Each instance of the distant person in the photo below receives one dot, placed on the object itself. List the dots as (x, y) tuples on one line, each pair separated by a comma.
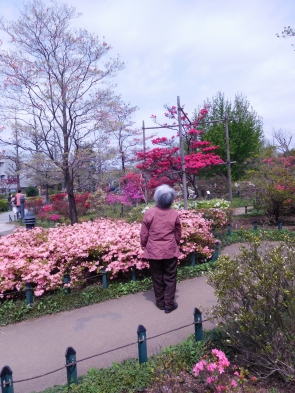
[(160, 235), (18, 196), (9, 202), (13, 204)]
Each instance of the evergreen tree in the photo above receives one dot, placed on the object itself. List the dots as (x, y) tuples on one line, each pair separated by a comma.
[(245, 133)]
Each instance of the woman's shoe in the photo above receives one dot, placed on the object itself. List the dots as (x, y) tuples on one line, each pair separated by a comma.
[(169, 310)]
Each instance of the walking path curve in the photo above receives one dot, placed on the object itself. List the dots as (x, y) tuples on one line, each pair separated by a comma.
[(6, 226), (38, 346)]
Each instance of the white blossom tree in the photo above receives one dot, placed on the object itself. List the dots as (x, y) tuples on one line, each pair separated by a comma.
[(54, 82)]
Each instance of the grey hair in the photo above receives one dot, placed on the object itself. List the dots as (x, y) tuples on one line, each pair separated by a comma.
[(164, 196)]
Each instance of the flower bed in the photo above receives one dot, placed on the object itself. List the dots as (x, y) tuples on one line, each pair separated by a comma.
[(42, 256)]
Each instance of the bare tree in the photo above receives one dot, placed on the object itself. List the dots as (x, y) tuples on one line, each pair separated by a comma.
[(121, 128), (91, 162), (284, 140), (53, 81)]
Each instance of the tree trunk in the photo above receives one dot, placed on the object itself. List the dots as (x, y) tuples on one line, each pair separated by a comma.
[(71, 198), (72, 207), (69, 181)]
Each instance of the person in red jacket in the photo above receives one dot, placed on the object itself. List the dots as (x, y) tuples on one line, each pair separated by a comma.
[(160, 236)]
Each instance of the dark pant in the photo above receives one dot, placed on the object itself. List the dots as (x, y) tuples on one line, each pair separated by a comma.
[(164, 273)]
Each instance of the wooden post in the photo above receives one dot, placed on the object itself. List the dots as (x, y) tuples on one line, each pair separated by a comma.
[(230, 193), (104, 278), (228, 230), (280, 226), (193, 259), (142, 348), (29, 293), (246, 209), (255, 225), (6, 380), (198, 325), (71, 366), (182, 154), (216, 252), (134, 273), (67, 280), (145, 178)]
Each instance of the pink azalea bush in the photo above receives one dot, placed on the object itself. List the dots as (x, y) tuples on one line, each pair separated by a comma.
[(115, 199), (213, 373), (42, 256), (218, 217)]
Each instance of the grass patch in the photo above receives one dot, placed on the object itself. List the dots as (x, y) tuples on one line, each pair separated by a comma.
[(252, 213), (240, 235), (240, 202)]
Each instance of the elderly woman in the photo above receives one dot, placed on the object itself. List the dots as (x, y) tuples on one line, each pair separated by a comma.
[(160, 235)]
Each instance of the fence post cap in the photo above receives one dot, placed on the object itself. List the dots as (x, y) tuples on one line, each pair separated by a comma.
[(29, 214), (70, 351), (5, 370), (141, 329), (197, 311)]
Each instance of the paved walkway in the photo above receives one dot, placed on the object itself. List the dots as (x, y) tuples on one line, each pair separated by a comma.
[(6, 226), (38, 346), (241, 210)]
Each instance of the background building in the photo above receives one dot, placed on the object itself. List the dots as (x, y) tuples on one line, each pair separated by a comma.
[(10, 180)]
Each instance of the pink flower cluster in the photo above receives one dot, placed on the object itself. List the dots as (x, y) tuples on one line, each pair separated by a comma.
[(213, 372), (218, 217), (43, 256), (196, 234), (219, 364)]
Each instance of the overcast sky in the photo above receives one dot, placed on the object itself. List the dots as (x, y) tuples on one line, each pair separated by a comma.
[(195, 48)]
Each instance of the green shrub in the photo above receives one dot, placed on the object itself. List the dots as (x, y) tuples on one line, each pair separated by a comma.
[(136, 213), (3, 204), (207, 207), (32, 191), (256, 304), (241, 202)]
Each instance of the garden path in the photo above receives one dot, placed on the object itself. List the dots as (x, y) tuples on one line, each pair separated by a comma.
[(36, 347), (6, 227)]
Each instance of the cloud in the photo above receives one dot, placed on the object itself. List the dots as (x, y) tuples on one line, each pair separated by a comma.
[(194, 49)]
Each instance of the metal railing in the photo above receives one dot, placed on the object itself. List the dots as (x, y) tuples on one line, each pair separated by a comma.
[(71, 361)]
